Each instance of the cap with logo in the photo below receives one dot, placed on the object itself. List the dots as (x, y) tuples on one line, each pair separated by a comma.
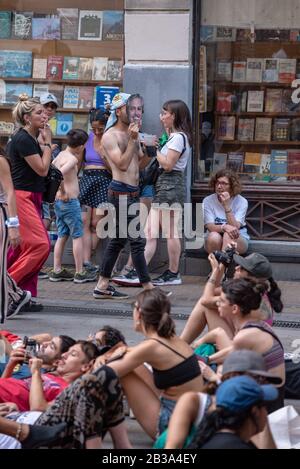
[(48, 98), (256, 264)]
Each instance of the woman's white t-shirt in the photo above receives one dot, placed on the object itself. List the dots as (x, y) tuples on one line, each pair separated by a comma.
[(214, 212), (177, 143)]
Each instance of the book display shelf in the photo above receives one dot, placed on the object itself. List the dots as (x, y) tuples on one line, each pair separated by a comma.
[(248, 94), (62, 49)]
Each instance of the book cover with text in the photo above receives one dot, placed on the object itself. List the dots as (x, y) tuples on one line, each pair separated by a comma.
[(90, 25), (113, 26)]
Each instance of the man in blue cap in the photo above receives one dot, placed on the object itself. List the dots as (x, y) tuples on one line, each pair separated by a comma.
[(122, 149)]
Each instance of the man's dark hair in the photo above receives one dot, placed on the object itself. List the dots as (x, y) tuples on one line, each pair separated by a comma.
[(89, 349), (66, 343), (76, 137), (112, 336)]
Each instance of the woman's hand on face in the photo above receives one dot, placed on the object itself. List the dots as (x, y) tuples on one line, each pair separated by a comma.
[(224, 198), (14, 237), (232, 231)]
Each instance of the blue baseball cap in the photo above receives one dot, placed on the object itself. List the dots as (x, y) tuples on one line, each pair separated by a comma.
[(241, 392)]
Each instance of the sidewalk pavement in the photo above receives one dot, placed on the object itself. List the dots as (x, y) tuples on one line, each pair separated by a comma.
[(183, 299)]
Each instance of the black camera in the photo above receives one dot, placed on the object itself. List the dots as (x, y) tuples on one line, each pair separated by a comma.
[(225, 257), (32, 348)]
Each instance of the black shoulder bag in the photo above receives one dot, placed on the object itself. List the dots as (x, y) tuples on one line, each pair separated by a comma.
[(52, 183)]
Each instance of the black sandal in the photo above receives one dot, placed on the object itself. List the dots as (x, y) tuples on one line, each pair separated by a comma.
[(42, 435)]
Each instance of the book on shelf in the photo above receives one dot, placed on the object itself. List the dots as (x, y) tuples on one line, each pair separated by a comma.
[(254, 70), (64, 123), (6, 128), (104, 95), (295, 129), (243, 35), (70, 69), (235, 161), (58, 91), (39, 89), (294, 35), (39, 68), (266, 35), (239, 72), (85, 68), (255, 101), (246, 130), (47, 28), (219, 162), (53, 125), (114, 70), (90, 25), (113, 25), (298, 68), (270, 70), (239, 101), (13, 90), (86, 94), (15, 63), (278, 166), (251, 166), (287, 70), (21, 25), (224, 70), (80, 121), (281, 129), (2, 91), (263, 129), (5, 24), (264, 169), (207, 33), (224, 101), (293, 165), (55, 67), (225, 34), (226, 128), (71, 97), (100, 65), (68, 23), (273, 100)]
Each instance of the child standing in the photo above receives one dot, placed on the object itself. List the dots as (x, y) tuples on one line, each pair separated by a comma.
[(67, 211)]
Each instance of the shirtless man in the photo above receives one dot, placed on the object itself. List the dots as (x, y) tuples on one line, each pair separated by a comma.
[(67, 211), (122, 149)]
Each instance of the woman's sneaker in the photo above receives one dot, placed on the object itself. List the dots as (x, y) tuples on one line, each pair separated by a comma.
[(85, 276), (15, 306), (129, 278), (109, 294), (62, 276), (91, 267), (168, 278)]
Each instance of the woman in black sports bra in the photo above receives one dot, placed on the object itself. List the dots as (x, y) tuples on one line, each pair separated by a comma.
[(175, 370)]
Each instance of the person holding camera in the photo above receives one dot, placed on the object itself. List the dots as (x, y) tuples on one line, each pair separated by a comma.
[(205, 313), (224, 213)]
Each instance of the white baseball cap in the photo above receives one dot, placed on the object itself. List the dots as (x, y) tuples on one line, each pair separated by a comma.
[(48, 98)]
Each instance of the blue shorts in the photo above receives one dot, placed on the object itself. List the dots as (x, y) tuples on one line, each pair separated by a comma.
[(46, 211), (147, 192), (68, 218), (166, 409)]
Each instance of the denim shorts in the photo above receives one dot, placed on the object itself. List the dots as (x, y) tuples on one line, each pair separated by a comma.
[(147, 192), (68, 218), (166, 408), (46, 211)]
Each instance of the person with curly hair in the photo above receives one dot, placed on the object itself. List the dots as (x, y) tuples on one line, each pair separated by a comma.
[(224, 214)]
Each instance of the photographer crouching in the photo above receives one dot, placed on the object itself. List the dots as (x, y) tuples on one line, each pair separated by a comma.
[(205, 313)]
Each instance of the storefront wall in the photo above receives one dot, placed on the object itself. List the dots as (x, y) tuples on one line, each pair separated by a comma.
[(274, 208)]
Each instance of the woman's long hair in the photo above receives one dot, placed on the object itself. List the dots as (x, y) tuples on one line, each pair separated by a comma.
[(245, 293), (274, 296), (183, 120)]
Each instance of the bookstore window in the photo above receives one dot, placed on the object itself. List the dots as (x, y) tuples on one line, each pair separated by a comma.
[(73, 53), (249, 102)]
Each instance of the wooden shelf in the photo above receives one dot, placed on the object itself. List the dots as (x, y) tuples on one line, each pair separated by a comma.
[(246, 83), (73, 82), (260, 114), (273, 143)]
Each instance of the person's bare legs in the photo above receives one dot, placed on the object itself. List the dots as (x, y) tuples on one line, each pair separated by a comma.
[(195, 324), (173, 239), (152, 233), (213, 242), (78, 254), (241, 243), (87, 235), (96, 215), (138, 392), (58, 253), (119, 436)]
